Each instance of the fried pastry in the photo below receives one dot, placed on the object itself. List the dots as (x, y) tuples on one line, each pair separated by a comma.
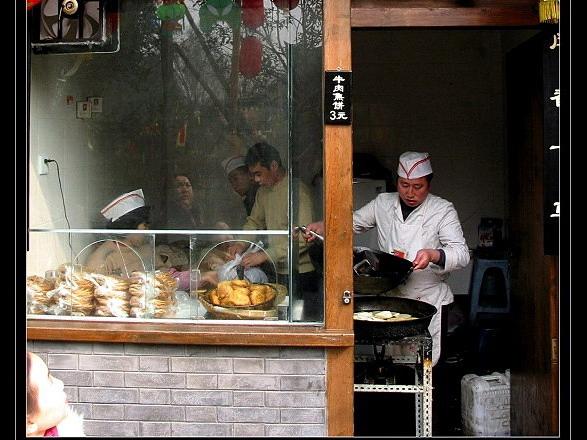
[(214, 298), (257, 297), (240, 283), (240, 293), (239, 297)]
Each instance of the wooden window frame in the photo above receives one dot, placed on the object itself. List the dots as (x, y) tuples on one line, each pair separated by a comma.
[(337, 329), (337, 333)]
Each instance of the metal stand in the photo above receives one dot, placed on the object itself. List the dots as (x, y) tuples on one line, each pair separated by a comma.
[(420, 358)]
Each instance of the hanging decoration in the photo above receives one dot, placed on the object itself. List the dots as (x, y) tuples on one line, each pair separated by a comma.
[(30, 4), (181, 135), (132, 148), (112, 21), (250, 57), (286, 5), (213, 11), (170, 12), (253, 13), (549, 11)]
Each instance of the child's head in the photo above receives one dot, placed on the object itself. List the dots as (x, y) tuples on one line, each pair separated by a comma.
[(46, 400)]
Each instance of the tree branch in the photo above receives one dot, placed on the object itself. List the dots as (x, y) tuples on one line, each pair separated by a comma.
[(206, 87), (209, 56)]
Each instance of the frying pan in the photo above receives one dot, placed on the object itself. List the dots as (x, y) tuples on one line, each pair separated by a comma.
[(375, 271), (372, 332)]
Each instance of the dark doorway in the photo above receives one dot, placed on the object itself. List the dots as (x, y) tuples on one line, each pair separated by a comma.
[(446, 91)]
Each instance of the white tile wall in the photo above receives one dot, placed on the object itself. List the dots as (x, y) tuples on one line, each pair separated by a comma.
[(56, 133)]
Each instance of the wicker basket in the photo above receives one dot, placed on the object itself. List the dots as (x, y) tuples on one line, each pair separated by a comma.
[(259, 311)]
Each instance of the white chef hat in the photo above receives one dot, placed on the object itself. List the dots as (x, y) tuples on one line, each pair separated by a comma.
[(232, 163), (413, 165), (123, 204)]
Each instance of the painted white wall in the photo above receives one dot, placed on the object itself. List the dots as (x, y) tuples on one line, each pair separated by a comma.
[(93, 163), (56, 133)]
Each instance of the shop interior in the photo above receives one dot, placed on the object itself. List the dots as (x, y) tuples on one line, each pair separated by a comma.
[(437, 90), (442, 91)]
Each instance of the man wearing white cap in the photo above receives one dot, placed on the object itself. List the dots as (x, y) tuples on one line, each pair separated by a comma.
[(413, 223), (241, 180), (124, 254), (125, 207)]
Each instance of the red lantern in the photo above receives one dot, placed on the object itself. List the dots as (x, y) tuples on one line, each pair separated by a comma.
[(250, 57), (286, 5), (253, 13), (251, 4), (30, 4)]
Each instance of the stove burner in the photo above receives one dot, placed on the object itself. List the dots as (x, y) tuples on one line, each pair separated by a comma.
[(381, 370)]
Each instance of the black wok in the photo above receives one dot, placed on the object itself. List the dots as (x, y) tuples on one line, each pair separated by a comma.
[(370, 332), (376, 272), (372, 285)]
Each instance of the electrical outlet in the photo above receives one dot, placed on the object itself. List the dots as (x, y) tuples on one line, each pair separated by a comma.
[(42, 167)]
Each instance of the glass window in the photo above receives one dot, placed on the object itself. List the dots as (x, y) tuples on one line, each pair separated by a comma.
[(172, 159)]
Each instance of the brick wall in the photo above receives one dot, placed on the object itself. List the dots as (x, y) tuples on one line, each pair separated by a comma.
[(167, 390)]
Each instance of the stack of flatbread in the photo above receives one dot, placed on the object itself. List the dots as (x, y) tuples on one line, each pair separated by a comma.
[(76, 295), (39, 298), (382, 315), (111, 295), (152, 296)]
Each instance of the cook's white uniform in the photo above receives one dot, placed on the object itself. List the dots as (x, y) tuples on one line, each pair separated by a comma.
[(434, 224)]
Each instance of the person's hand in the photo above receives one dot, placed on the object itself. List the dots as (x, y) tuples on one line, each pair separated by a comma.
[(208, 279), (255, 259), (317, 227), (236, 248), (182, 279), (425, 257)]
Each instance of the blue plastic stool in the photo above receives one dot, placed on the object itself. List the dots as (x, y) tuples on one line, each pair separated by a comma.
[(490, 287)]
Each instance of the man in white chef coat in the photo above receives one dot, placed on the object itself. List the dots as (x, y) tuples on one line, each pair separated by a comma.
[(414, 224)]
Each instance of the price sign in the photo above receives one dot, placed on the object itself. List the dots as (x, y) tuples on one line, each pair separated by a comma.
[(337, 98)]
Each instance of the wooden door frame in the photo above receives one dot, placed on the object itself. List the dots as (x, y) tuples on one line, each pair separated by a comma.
[(338, 208), (534, 279), (339, 17), (443, 13)]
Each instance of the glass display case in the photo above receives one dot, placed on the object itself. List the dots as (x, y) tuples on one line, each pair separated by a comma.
[(213, 119), (157, 275)]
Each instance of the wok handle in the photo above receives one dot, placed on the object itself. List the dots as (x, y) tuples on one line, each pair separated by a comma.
[(359, 264), (307, 231)]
